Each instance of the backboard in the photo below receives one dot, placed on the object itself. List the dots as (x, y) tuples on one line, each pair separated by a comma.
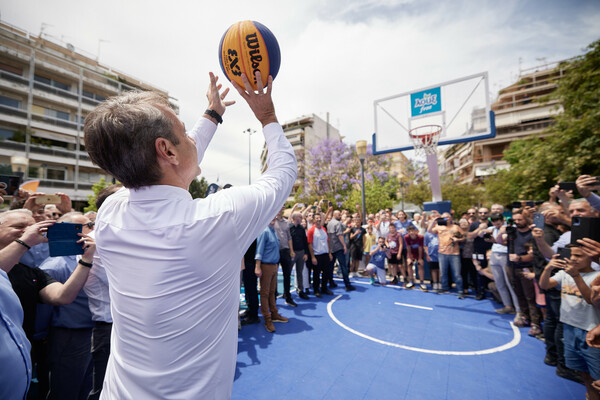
[(461, 107)]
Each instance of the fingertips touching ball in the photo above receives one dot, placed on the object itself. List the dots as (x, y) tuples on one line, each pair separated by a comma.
[(247, 47)]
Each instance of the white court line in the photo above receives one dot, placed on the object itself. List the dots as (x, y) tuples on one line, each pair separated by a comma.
[(515, 340), (411, 305)]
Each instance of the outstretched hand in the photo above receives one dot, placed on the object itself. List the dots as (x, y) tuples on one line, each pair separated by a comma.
[(216, 99), (260, 102)]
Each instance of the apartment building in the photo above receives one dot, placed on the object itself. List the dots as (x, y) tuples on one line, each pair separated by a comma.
[(521, 109), (46, 89), (303, 133)]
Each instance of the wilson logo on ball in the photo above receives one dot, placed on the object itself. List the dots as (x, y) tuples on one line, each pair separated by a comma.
[(247, 47)]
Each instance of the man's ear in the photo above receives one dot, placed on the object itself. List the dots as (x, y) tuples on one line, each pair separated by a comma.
[(166, 151)]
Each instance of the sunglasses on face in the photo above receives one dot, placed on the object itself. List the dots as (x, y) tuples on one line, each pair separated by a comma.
[(90, 225)]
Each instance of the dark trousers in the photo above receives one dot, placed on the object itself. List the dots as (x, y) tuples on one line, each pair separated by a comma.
[(553, 328), (469, 274), (286, 267), (70, 362), (250, 288), (322, 267), (525, 292), (341, 259), (100, 353)]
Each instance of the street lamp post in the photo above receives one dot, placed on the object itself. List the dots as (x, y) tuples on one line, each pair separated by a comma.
[(361, 150), (249, 132)]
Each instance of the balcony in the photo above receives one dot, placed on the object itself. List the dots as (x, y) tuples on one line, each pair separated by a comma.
[(488, 158)]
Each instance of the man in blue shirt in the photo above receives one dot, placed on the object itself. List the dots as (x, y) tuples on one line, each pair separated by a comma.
[(15, 359), (267, 258), (69, 355)]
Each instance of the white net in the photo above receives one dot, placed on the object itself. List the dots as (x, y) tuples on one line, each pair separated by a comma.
[(425, 139)]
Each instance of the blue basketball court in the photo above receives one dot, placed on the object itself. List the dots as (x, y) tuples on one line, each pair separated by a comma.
[(391, 343)]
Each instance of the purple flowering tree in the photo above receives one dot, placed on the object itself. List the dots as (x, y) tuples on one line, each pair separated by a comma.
[(332, 171)]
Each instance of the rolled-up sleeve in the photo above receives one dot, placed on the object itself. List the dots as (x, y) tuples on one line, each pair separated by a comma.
[(256, 205)]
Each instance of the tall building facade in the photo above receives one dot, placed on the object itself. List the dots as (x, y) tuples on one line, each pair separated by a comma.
[(46, 90), (304, 133), (522, 109)]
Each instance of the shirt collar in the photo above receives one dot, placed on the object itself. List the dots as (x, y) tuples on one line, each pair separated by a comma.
[(158, 192)]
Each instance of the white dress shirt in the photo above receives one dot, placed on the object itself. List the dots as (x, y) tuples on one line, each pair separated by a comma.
[(173, 270)]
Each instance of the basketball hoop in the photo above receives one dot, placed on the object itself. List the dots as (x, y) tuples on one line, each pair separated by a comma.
[(425, 139)]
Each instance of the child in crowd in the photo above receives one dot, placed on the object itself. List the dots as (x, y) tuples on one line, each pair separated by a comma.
[(414, 243), (431, 245), (379, 252), (370, 241)]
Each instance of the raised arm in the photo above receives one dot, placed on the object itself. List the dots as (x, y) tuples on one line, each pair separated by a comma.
[(255, 205), (32, 235), (59, 294)]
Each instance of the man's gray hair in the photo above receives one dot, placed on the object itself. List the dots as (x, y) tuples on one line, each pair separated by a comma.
[(68, 217), (12, 212), (120, 136), (500, 206)]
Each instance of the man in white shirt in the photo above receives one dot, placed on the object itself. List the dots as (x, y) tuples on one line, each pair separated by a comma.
[(173, 262)]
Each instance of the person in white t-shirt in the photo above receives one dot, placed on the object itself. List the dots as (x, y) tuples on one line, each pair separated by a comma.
[(173, 262), (577, 313)]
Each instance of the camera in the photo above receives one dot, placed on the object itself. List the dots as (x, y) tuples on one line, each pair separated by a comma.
[(487, 235), (511, 231), (442, 221)]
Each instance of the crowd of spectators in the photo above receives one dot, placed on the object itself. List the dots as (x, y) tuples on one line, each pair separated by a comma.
[(63, 308), (494, 253)]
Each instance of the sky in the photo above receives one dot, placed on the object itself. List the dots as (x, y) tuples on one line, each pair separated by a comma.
[(337, 56)]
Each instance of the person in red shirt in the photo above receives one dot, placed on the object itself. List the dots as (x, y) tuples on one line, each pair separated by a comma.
[(414, 245)]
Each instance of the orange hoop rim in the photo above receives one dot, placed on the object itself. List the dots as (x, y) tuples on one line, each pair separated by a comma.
[(425, 142)]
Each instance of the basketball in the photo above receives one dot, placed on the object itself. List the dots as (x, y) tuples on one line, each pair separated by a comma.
[(247, 47)]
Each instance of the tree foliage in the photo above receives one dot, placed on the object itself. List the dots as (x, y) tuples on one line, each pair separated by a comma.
[(96, 188), (571, 147), (332, 171), (198, 188)]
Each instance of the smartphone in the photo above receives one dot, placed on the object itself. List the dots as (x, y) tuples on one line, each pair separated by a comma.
[(585, 227), (517, 204), (566, 186), (300, 205), (11, 184), (538, 220), (62, 239), (442, 221), (48, 199), (530, 203), (564, 253), (330, 204), (594, 183)]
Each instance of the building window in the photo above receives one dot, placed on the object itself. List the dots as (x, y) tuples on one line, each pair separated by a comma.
[(56, 173), (52, 82), (57, 114), (12, 135), (7, 101), (93, 96)]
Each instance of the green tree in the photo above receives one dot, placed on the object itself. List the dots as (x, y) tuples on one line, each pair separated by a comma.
[(96, 188), (198, 188), (571, 146)]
